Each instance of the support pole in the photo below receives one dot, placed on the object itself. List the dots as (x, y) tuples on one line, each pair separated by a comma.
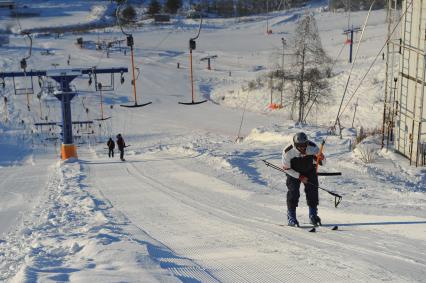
[(192, 76), (351, 32), (130, 38), (353, 119), (272, 89), (6, 118), (267, 16), (68, 149), (102, 106), (351, 46), (419, 141), (282, 73)]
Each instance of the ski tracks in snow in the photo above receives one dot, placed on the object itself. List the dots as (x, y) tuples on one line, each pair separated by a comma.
[(168, 218), (226, 236), (72, 235)]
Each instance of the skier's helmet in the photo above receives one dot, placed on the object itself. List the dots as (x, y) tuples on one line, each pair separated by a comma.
[(300, 140)]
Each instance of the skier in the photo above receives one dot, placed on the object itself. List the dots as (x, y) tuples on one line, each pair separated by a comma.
[(121, 145), (298, 161), (111, 146)]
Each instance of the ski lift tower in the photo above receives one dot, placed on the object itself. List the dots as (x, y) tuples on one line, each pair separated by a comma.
[(351, 31), (65, 95), (404, 115), (208, 59)]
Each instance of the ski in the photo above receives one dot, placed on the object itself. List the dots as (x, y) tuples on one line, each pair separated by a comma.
[(311, 228)]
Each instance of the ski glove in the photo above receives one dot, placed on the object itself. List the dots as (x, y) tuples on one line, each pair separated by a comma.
[(303, 179)]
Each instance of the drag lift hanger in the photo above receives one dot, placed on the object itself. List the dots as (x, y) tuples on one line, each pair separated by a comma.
[(130, 43), (27, 91), (192, 46), (99, 87)]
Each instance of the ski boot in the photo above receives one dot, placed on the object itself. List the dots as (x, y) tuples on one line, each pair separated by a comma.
[(313, 216), (291, 217)]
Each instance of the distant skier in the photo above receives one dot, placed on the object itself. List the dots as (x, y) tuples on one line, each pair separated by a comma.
[(111, 146), (121, 145), (298, 160)]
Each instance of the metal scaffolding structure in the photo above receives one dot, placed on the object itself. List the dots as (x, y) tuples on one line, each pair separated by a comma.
[(404, 116)]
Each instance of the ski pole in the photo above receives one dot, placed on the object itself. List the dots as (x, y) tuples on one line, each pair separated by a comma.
[(337, 198), (319, 173)]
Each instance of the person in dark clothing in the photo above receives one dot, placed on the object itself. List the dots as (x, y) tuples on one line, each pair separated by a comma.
[(111, 146), (298, 161), (121, 145)]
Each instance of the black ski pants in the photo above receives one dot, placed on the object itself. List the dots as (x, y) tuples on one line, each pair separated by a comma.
[(111, 152), (121, 153), (311, 191)]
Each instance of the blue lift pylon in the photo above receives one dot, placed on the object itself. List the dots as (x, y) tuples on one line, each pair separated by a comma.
[(64, 77)]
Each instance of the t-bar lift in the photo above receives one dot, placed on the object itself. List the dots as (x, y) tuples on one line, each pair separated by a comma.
[(65, 95)]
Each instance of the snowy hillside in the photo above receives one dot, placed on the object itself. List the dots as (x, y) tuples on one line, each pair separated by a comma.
[(193, 202)]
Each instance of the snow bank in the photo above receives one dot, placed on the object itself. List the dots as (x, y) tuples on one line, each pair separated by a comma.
[(265, 136), (72, 232)]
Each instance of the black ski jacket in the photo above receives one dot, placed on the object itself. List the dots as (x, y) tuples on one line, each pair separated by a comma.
[(297, 164), (111, 144), (120, 143)]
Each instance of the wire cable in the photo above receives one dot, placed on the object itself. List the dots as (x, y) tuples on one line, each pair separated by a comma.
[(353, 63), (375, 59)]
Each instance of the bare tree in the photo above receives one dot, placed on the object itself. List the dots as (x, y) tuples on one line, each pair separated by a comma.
[(312, 64)]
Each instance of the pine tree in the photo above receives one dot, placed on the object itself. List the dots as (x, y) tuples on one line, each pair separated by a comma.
[(154, 7), (173, 5), (128, 13)]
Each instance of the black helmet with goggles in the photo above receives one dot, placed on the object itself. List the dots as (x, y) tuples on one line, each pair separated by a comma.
[(300, 140)]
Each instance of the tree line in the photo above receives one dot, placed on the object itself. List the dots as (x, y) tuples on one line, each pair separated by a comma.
[(239, 8), (170, 6), (357, 5), (224, 8)]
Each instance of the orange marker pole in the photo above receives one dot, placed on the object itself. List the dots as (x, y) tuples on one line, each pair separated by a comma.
[(133, 74), (192, 77)]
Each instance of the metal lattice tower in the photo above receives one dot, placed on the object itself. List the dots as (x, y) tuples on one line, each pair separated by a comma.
[(404, 116)]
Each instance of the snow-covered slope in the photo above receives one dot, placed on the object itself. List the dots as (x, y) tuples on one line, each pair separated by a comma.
[(190, 204)]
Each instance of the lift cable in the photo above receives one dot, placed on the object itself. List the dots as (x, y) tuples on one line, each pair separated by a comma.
[(375, 59), (353, 64)]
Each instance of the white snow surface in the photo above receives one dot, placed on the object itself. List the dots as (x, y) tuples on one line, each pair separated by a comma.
[(193, 202)]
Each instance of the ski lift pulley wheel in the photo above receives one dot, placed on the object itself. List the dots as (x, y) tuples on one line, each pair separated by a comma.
[(192, 44), (130, 41), (23, 64)]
